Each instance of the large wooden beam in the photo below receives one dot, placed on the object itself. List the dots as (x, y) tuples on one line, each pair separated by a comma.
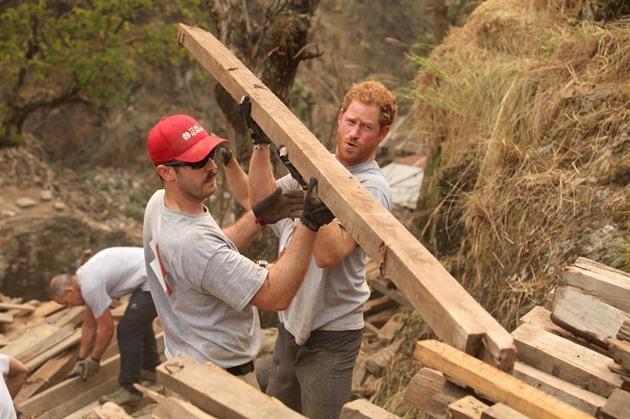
[(219, 393), (443, 303), (493, 383)]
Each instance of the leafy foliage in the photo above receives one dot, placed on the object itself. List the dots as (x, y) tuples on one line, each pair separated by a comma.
[(57, 52)]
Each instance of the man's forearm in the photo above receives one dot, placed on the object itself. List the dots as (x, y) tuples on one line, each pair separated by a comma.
[(103, 339), (332, 245), (243, 231), (261, 179), (88, 334), (104, 333), (238, 182)]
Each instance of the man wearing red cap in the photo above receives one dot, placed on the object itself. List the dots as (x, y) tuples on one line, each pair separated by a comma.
[(205, 291)]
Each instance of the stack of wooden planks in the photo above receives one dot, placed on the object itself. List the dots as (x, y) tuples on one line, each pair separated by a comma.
[(572, 358), (45, 336)]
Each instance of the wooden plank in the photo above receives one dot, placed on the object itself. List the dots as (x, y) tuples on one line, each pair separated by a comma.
[(108, 411), (48, 400), (468, 407), (33, 318), (566, 360), (585, 315), (48, 308), (380, 359), (81, 399), (56, 349), (218, 392), (501, 411), (70, 315), (569, 393), (375, 305), (607, 284), (46, 343), (29, 338), (624, 331), (620, 351), (173, 407), (6, 318), (13, 306), (392, 327), (363, 409), (493, 383), (444, 304), (381, 285), (617, 406), (53, 371), (431, 393), (541, 317)]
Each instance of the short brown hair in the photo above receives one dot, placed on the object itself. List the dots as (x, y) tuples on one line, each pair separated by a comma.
[(373, 93)]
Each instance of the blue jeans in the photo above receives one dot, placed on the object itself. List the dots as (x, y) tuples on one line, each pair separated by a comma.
[(136, 339), (314, 379)]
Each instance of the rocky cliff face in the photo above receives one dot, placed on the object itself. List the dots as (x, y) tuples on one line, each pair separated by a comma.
[(47, 218)]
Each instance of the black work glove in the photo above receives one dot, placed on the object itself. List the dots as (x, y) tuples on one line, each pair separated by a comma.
[(256, 133), (316, 213), (278, 205), (226, 155)]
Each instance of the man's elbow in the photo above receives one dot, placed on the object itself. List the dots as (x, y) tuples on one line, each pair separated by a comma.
[(326, 261), (280, 305), (271, 303)]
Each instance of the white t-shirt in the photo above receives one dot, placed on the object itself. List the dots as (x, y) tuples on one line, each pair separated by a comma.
[(7, 411), (111, 273), (333, 298), (201, 286)]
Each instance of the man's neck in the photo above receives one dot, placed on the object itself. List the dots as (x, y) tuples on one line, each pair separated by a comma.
[(176, 202)]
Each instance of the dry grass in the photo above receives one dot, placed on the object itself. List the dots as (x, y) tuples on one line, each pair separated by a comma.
[(527, 119)]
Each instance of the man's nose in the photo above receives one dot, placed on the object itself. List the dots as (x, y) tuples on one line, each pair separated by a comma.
[(210, 165), (355, 131)]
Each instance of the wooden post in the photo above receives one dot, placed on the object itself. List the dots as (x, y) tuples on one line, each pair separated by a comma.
[(443, 303), (492, 383)]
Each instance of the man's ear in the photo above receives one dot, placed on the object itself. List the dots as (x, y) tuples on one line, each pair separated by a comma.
[(383, 133), (165, 172)]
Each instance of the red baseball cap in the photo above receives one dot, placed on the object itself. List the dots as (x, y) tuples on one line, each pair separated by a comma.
[(180, 137)]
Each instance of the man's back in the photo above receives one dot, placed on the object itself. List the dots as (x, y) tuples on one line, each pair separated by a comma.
[(111, 273)]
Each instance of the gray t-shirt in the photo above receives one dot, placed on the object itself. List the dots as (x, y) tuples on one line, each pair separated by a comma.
[(333, 298), (111, 273), (201, 286)]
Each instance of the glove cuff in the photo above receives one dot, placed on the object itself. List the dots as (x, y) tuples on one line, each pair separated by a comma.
[(308, 223), (261, 140)]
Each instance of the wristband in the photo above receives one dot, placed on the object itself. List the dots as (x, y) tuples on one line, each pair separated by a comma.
[(261, 262), (261, 147)]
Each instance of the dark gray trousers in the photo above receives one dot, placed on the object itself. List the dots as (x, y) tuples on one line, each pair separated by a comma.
[(314, 379), (136, 339)]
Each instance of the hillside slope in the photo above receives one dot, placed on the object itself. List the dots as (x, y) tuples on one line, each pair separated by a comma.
[(525, 111)]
